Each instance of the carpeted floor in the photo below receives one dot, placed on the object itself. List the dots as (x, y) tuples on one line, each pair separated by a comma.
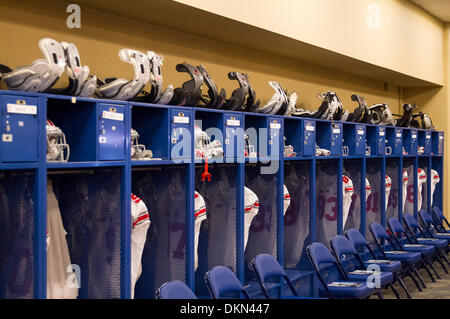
[(435, 290)]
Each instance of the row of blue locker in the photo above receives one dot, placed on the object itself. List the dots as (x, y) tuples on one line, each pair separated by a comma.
[(99, 130)]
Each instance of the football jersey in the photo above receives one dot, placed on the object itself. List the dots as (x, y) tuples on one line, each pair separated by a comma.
[(251, 208), (409, 202), (140, 224), (327, 205), (404, 187), (421, 180), (434, 180), (286, 199), (61, 282), (368, 189), (200, 216), (348, 191), (387, 188)]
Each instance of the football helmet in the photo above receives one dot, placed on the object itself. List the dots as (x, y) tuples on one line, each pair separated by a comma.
[(41, 74), (57, 148), (249, 148), (381, 114), (425, 121), (204, 147), (331, 107), (138, 151)]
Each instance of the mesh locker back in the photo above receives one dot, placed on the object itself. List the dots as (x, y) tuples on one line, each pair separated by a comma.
[(393, 203), (423, 178), (17, 232), (263, 230), (373, 206), (91, 210), (352, 169), (217, 240), (408, 165), (326, 193), (297, 232), (164, 257)]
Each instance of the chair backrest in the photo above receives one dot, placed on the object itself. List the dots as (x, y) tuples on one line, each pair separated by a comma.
[(378, 231), (222, 283), (411, 221), (267, 267), (356, 237), (395, 226), (342, 247), (320, 255), (426, 217), (437, 211), (175, 290)]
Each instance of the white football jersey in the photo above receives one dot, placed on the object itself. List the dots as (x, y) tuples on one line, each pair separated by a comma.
[(286, 199), (348, 191), (200, 216), (404, 188), (421, 180), (251, 208), (434, 180), (368, 189), (326, 206), (140, 224), (387, 189), (61, 281)]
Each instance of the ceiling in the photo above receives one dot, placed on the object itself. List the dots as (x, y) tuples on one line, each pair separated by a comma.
[(439, 8)]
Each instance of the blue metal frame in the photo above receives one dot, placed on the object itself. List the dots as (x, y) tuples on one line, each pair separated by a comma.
[(298, 128)]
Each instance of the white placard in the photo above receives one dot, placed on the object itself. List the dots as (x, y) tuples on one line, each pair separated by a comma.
[(309, 128), (112, 116), (275, 126), (399, 134), (336, 131), (414, 136), (8, 138), (181, 119), (21, 109), (360, 132), (233, 123), (441, 137), (381, 133), (428, 137)]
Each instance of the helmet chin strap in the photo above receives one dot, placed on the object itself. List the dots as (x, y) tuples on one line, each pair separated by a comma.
[(41, 74)]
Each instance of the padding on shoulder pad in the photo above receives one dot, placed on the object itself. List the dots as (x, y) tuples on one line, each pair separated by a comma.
[(166, 96), (237, 100), (277, 101), (212, 98), (408, 110), (192, 89)]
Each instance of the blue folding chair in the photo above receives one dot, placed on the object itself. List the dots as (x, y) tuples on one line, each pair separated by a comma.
[(427, 251), (394, 266), (353, 267), (408, 258), (440, 221), (414, 229), (267, 269), (322, 259), (427, 222), (175, 290), (222, 283)]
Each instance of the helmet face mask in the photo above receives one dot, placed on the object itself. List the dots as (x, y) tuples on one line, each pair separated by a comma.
[(57, 148), (138, 151)]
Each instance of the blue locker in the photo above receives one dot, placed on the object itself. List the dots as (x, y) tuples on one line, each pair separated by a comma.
[(427, 142), (111, 138), (395, 140), (309, 143), (336, 139), (438, 143), (180, 125), (381, 141), (275, 137), (20, 128), (360, 144), (234, 145), (410, 138)]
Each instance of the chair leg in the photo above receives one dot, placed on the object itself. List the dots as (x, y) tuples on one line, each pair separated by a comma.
[(379, 294), (402, 284), (432, 267), (443, 257), (410, 273), (394, 291), (444, 254), (414, 269)]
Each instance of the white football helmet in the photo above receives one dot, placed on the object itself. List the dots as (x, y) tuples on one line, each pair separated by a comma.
[(57, 148), (204, 146), (138, 151), (249, 148)]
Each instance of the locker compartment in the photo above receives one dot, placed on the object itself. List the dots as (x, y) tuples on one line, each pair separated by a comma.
[(91, 208), (20, 128), (410, 168), (152, 125), (354, 201), (181, 134), (263, 232), (355, 139), (309, 140), (425, 141), (437, 188), (329, 136), (410, 141), (297, 221), (423, 179), (217, 237), (374, 199), (438, 143), (394, 141), (112, 129), (397, 185), (265, 133), (295, 135), (327, 200), (78, 121), (376, 139), (17, 221)]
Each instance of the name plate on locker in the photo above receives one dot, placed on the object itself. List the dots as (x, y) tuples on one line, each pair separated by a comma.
[(414, 136), (112, 116), (181, 119), (336, 131), (360, 132), (399, 134), (381, 133), (309, 128), (428, 137), (233, 123), (441, 137), (275, 126), (21, 109)]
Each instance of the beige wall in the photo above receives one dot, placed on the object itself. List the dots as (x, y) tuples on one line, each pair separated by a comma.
[(408, 39)]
